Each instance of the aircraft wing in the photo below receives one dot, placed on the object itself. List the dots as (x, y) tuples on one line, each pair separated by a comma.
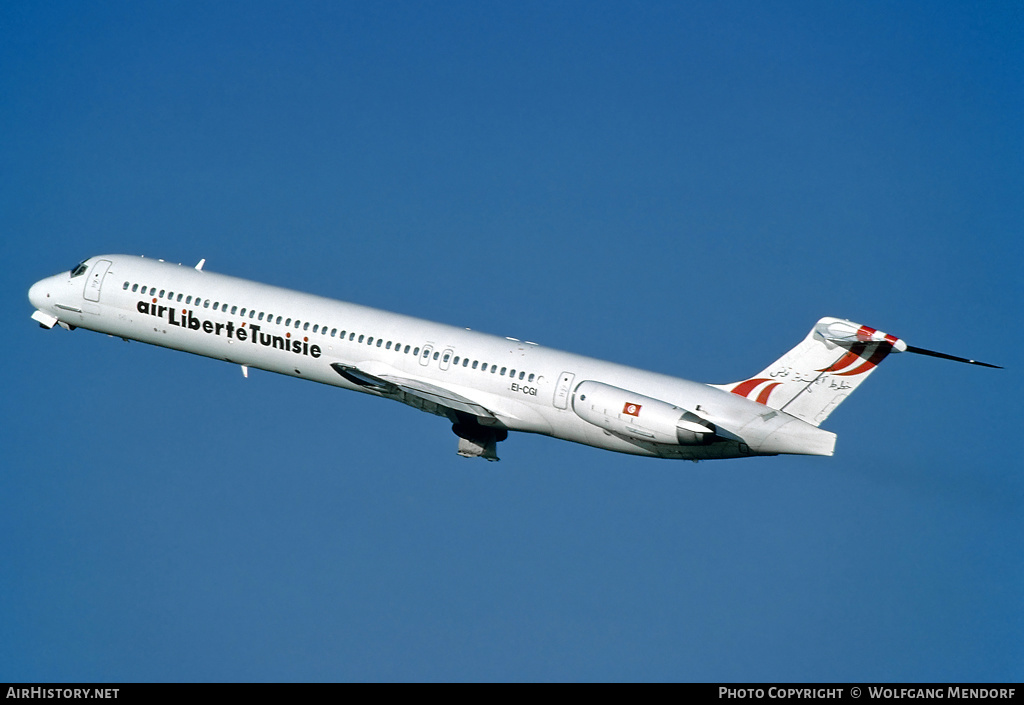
[(414, 392)]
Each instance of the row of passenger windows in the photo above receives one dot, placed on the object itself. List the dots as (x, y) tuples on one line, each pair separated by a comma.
[(322, 330)]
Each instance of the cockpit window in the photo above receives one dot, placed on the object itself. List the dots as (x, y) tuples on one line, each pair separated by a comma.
[(79, 269)]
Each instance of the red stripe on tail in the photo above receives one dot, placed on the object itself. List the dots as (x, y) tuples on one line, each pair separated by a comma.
[(745, 388), (762, 398), (879, 355), (856, 350)]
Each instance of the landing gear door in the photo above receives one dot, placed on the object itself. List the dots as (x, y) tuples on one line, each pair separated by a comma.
[(95, 280), (562, 390)]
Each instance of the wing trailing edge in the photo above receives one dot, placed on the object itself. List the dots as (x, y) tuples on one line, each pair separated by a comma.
[(416, 393)]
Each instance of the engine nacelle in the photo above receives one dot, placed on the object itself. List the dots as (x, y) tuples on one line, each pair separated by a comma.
[(640, 417)]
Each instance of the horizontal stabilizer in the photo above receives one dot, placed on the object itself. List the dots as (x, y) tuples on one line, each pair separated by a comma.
[(944, 356)]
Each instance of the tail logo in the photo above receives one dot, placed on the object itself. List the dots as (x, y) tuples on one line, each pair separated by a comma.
[(766, 386), (857, 351)]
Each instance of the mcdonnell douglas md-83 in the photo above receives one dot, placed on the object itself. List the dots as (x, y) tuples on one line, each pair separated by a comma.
[(485, 385)]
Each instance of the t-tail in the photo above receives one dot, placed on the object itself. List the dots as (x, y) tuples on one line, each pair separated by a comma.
[(835, 358)]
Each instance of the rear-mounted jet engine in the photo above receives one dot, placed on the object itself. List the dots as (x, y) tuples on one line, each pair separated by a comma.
[(640, 417)]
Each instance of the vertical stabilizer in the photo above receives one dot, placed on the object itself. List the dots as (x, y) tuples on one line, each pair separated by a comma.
[(813, 378)]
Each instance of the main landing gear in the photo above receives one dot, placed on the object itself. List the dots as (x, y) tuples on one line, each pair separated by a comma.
[(476, 441)]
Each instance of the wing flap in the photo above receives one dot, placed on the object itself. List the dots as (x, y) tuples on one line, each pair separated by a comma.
[(439, 395), (402, 388)]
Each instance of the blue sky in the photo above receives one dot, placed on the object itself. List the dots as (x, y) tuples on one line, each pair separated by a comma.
[(684, 187)]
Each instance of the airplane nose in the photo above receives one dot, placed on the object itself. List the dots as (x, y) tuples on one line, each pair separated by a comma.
[(38, 292)]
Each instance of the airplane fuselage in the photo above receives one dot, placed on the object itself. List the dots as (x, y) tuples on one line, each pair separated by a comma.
[(488, 382)]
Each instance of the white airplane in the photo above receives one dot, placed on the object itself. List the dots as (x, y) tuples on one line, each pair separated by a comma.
[(484, 384)]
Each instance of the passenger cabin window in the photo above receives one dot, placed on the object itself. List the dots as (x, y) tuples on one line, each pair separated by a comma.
[(179, 297), (125, 287), (135, 287), (206, 303), (234, 309)]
